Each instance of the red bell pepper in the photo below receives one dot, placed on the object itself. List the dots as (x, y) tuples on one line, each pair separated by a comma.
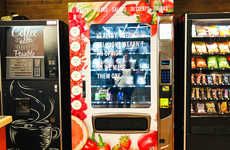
[(102, 145), (148, 141), (91, 144)]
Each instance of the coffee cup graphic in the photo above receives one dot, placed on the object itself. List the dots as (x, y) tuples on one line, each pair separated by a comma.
[(27, 135)]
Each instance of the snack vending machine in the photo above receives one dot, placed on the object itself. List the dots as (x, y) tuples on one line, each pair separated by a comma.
[(34, 84), (121, 56), (207, 81)]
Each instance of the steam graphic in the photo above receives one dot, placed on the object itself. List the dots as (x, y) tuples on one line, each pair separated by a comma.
[(34, 133)]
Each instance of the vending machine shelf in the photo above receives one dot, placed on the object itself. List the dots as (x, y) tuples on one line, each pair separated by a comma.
[(211, 39)]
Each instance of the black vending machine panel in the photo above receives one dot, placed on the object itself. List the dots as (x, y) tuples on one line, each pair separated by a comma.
[(34, 84)]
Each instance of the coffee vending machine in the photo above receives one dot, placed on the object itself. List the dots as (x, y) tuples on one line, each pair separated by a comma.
[(35, 84)]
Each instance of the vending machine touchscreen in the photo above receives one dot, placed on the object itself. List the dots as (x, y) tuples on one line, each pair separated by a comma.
[(34, 89)]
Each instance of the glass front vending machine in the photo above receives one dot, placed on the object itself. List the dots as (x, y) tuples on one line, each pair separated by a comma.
[(35, 85), (207, 81), (121, 76)]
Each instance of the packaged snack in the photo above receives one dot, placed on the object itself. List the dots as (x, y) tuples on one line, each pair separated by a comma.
[(224, 30), (226, 79), (222, 62), (203, 94), (226, 93), (210, 106), (193, 93), (193, 79), (223, 47), (201, 47), (197, 93), (212, 62), (214, 94), (228, 58), (201, 62), (223, 107), (192, 110), (200, 108), (193, 48), (201, 31), (220, 93), (204, 80), (220, 79), (198, 78), (214, 78), (208, 91), (213, 31), (212, 48), (209, 79), (193, 63)]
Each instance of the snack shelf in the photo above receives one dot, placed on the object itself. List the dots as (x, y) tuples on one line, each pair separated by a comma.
[(207, 55), (211, 115), (211, 86), (210, 39), (221, 70), (197, 100)]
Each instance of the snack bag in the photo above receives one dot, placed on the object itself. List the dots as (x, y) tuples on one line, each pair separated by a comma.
[(201, 62), (201, 31), (201, 47), (224, 30), (193, 63), (193, 48), (210, 106), (210, 79), (213, 31), (223, 107), (200, 108), (223, 47), (212, 48), (212, 62), (222, 62)]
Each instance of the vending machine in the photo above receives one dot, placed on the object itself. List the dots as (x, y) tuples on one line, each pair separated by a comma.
[(35, 84), (121, 55), (207, 81)]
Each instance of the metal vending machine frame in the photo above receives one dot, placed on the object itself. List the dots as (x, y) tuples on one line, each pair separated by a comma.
[(35, 84)]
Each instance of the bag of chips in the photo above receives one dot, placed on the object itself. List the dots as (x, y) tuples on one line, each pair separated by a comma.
[(201, 47), (213, 31), (212, 48), (223, 47), (201, 31), (200, 108), (193, 63), (223, 107), (212, 62), (201, 62), (222, 62), (193, 49), (210, 106), (224, 30)]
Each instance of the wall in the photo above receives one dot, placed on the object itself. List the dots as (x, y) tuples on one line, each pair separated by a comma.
[(57, 9), (39, 9), (2, 8)]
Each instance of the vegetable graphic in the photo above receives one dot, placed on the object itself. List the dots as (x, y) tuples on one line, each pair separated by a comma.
[(148, 141), (102, 145), (108, 12), (125, 142), (145, 18), (142, 7), (130, 9), (91, 144)]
